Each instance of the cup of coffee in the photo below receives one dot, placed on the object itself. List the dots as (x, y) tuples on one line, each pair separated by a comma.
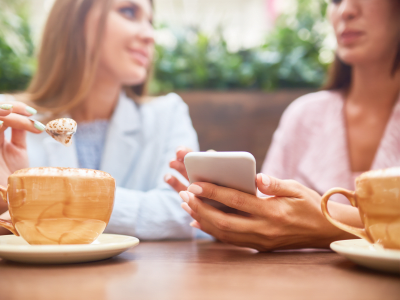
[(377, 198), (58, 205)]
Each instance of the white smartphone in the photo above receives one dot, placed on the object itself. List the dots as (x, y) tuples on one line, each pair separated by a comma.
[(236, 170)]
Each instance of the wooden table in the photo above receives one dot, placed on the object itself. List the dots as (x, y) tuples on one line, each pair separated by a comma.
[(199, 270)]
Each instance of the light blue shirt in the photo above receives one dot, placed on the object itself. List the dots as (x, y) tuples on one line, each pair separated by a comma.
[(89, 143), (140, 142)]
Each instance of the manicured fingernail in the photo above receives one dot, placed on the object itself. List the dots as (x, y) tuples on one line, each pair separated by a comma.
[(186, 207), (195, 189), (39, 125), (265, 179), (1, 124), (180, 149), (6, 106), (31, 110), (184, 196), (195, 224), (167, 177)]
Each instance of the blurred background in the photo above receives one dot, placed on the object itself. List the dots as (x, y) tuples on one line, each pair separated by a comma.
[(236, 63)]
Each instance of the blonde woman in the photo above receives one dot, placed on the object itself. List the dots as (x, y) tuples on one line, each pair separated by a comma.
[(93, 66)]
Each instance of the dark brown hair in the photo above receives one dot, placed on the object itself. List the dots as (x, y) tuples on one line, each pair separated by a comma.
[(339, 74)]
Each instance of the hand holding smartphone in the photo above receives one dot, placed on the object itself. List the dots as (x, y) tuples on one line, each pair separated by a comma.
[(235, 170)]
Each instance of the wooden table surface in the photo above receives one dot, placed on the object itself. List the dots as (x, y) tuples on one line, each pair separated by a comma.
[(199, 270)]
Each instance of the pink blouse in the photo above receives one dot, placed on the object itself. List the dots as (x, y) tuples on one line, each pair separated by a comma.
[(310, 144)]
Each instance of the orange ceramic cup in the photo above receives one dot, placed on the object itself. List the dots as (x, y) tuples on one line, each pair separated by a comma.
[(58, 205), (377, 198)]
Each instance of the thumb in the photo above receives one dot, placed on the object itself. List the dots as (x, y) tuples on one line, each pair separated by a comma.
[(271, 186)]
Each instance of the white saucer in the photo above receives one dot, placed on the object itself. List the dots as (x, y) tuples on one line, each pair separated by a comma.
[(107, 245), (363, 253)]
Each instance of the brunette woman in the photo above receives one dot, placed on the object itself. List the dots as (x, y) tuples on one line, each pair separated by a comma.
[(324, 140)]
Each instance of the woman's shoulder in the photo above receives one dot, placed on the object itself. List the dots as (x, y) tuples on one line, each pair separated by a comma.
[(311, 112), (167, 107), (165, 116), (320, 101), (168, 101), (314, 107)]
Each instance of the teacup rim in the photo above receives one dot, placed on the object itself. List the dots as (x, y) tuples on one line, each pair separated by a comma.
[(380, 173), (61, 172)]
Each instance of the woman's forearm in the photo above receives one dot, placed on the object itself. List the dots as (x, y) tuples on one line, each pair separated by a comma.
[(151, 215), (343, 213), (346, 214)]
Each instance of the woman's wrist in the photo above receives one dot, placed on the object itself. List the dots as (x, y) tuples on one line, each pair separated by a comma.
[(4, 174), (3, 206), (344, 213), (5, 216)]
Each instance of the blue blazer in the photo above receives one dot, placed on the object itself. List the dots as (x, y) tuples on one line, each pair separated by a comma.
[(140, 142)]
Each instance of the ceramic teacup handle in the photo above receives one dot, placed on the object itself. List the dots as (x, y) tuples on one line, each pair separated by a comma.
[(351, 196), (3, 223)]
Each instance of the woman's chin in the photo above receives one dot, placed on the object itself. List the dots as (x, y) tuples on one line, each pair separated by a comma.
[(355, 56), (135, 78)]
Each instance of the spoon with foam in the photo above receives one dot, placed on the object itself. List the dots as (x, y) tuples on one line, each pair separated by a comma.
[(62, 130)]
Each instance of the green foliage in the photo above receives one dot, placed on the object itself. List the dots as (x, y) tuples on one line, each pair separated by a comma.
[(293, 55), (16, 47), (290, 57)]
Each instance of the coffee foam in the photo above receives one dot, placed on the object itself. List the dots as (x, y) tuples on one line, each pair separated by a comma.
[(62, 130), (390, 172), (62, 172)]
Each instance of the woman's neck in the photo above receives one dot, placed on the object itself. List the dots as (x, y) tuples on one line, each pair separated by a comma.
[(374, 85), (100, 102), (369, 105)]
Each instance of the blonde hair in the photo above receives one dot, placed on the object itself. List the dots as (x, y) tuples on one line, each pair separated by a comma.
[(66, 66)]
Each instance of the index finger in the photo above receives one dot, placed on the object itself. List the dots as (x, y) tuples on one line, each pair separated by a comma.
[(22, 123), (180, 167), (175, 183), (5, 109), (16, 107), (181, 153), (230, 197)]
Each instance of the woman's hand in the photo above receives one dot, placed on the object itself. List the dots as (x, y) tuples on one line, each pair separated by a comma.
[(178, 164), (13, 153), (290, 219), (5, 216)]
